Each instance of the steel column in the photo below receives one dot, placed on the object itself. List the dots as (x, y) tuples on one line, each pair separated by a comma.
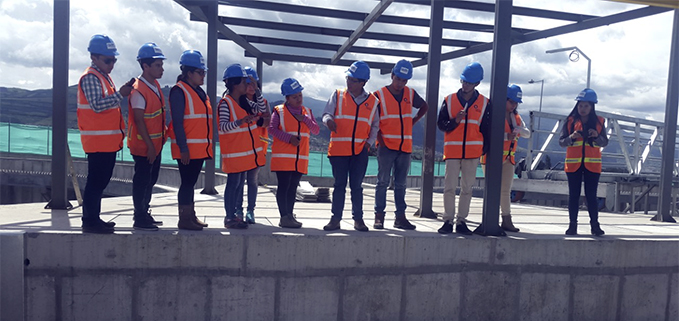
[(211, 79), (669, 133), (432, 97), (498, 92), (60, 105), (260, 73)]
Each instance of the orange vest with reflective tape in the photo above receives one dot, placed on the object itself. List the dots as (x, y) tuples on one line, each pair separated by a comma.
[(284, 156), (509, 148), (466, 140), (581, 151), (396, 119), (154, 119), (240, 147), (353, 124), (197, 125), (101, 132)]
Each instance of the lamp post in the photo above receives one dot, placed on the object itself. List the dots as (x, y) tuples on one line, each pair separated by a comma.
[(542, 86), (574, 56)]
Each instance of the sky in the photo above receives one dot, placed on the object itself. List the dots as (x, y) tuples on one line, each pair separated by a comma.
[(630, 60)]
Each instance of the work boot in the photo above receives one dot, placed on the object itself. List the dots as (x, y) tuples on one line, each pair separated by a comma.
[(359, 225), (379, 221), (447, 228), (289, 222), (186, 219), (572, 228), (402, 222), (461, 228), (507, 224), (195, 218), (333, 225), (250, 217), (596, 229)]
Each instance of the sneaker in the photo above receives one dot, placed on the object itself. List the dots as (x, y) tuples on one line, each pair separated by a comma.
[(403, 223), (153, 220), (289, 222), (97, 228), (461, 228), (359, 225), (235, 223), (447, 228), (596, 229), (250, 217), (572, 229), (146, 225), (379, 221), (333, 225)]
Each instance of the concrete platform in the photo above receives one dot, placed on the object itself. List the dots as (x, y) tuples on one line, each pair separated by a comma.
[(269, 273)]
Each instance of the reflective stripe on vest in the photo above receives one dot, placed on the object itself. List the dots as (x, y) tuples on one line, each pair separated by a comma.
[(396, 119), (581, 152), (285, 156), (509, 146), (154, 119), (465, 141), (197, 125), (240, 147), (353, 124), (104, 131)]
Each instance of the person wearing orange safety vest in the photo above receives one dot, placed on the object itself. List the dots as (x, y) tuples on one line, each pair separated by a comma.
[(583, 135), (292, 125), (147, 133), (102, 128), (396, 141), (465, 118), (514, 128), (351, 115), (191, 133), (239, 140)]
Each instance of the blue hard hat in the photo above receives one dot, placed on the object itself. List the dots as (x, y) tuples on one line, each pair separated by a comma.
[(150, 50), (472, 73), (403, 69), (102, 45), (514, 93), (192, 58), (251, 72), (234, 71), (587, 95), (359, 70), (290, 86)]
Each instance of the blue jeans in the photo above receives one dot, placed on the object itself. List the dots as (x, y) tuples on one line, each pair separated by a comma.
[(352, 167), (400, 162), (251, 178), (233, 191)]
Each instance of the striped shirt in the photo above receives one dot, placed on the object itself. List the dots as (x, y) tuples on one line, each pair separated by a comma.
[(308, 120), (92, 89), (255, 107)]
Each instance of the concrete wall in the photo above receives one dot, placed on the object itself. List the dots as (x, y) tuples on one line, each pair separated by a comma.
[(212, 276)]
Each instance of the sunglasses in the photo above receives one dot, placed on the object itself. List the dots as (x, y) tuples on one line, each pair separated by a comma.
[(200, 72), (109, 61), (468, 83)]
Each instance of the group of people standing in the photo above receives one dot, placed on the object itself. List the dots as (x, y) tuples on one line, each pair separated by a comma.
[(356, 118)]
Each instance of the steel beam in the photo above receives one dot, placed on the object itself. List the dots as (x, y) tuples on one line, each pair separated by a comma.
[(60, 104), (362, 28), (211, 13), (669, 133), (320, 61), (432, 96)]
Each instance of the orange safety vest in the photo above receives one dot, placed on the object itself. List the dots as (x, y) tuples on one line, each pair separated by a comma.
[(284, 156), (509, 148), (101, 132), (582, 152), (197, 125), (154, 119), (353, 124), (240, 147), (466, 140), (396, 119)]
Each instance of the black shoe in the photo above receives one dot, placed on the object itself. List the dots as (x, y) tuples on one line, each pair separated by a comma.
[(109, 224), (447, 228), (596, 229), (403, 223), (359, 225), (289, 222), (97, 228), (153, 220), (572, 228), (379, 221), (461, 228), (235, 223), (333, 225), (145, 225)]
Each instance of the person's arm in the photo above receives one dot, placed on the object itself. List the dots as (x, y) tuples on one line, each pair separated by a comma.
[(310, 122), (177, 106), (225, 124), (565, 139), (374, 128), (138, 108), (524, 132), (275, 131), (422, 107), (444, 123), (602, 139), (92, 89), (329, 112)]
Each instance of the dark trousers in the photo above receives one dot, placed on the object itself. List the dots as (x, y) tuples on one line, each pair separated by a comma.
[(145, 176), (233, 192), (189, 174), (574, 187), (99, 171), (287, 191), (352, 167)]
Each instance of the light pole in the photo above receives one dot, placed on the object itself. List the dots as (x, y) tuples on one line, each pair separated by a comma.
[(574, 56), (542, 86)]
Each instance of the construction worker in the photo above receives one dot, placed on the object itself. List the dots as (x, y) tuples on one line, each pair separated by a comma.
[(291, 126), (583, 134), (147, 133), (464, 117), (352, 118), (102, 128), (239, 139), (396, 141), (514, 128), (191, 133)]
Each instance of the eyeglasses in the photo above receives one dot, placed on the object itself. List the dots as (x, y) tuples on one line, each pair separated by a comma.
[(109, 61), (354, 80), (468, 83), (200, 72)]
